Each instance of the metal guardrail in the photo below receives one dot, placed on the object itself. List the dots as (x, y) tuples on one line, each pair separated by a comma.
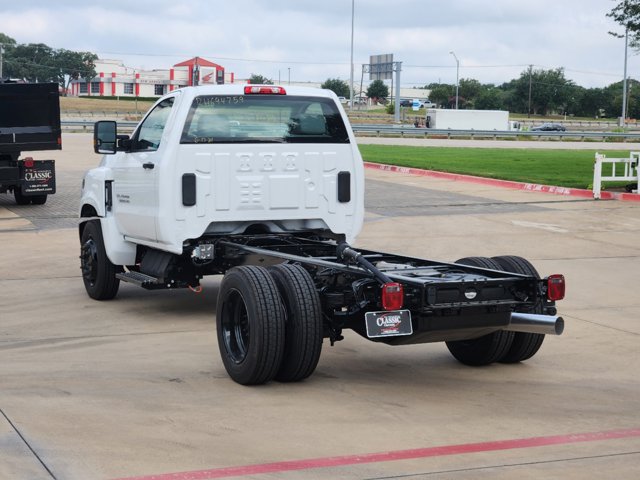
[(414, 132), (87, 125)]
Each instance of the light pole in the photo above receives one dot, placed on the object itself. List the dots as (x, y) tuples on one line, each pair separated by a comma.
[(623, 120), (457, 76), (529, 107), (353, 9)]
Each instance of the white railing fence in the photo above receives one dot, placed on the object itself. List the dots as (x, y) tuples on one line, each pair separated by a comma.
[(628, 173)]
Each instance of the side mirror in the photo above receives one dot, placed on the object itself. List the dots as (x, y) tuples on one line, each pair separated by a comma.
[(105, 137)]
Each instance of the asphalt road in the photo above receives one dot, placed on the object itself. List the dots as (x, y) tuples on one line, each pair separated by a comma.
[(134, 387)]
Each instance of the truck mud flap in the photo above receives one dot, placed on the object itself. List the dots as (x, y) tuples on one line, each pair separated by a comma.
[(38, 179)]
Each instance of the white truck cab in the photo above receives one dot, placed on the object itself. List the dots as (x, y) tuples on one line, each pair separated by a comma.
[(223, 160)]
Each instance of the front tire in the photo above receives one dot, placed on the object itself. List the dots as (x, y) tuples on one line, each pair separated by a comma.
[(98, 273), (250, 323), (525, 345), (488, 348), (303, 327)]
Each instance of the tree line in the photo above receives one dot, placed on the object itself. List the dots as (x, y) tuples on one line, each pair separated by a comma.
[(540, 92), (536, 92), (37, 62)]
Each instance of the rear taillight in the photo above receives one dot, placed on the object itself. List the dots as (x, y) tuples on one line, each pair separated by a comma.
[(28, 162), (555, 287), (264, 89), (392, 296)]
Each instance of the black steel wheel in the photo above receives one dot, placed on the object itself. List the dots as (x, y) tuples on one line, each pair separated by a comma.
[(98, 273), (250, 323), (525, 345), (20, 198), (488, 348), (303, 324)]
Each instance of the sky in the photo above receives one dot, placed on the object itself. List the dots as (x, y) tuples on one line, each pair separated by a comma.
[(310, 40)]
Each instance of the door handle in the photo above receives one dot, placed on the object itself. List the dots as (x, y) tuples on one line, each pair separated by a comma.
[(148, 165)]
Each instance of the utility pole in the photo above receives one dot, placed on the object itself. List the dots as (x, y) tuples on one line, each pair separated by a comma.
[(353, 9), (1, 53), (196, 74), (530, 75), (623, 120), (628, 96), (457, 77), (398, 69)]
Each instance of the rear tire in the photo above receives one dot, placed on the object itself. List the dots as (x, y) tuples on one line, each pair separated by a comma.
[(39, 199), (98, 273), (303, 324), (525, 345), (488, 348), (20, 198), (250, 324)]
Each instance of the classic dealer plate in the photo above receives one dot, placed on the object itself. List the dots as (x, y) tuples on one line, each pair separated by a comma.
[(388, 324)]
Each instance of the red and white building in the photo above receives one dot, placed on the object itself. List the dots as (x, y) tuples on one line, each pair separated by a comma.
[(114, 79)]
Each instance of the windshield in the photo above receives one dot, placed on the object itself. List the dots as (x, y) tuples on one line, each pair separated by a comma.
[(263, 119)]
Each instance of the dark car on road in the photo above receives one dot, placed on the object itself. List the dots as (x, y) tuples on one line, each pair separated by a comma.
[(549, 127)]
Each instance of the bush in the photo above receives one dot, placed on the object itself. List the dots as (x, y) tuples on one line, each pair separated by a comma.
[(339, 87)]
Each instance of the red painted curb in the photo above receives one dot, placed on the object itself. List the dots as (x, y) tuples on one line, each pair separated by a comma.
[(328, 462), (532, 187)]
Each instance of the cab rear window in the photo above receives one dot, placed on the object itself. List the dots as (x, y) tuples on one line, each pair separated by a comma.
[(263, 119)]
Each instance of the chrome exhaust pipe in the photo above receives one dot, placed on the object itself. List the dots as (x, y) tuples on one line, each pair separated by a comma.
[(532, 323)]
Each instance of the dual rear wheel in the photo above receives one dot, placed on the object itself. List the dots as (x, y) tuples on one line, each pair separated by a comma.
[(269, 324), (501, 346)]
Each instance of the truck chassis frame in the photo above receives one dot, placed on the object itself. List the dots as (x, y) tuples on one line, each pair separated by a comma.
[(463, 304)]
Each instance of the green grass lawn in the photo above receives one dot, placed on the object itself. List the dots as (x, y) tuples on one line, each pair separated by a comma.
[(566, 168)]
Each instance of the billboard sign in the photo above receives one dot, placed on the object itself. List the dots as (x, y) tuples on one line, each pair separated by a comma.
[(381, 67)]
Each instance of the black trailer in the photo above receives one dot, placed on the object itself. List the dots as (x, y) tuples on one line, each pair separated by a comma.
[(29, 121)]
